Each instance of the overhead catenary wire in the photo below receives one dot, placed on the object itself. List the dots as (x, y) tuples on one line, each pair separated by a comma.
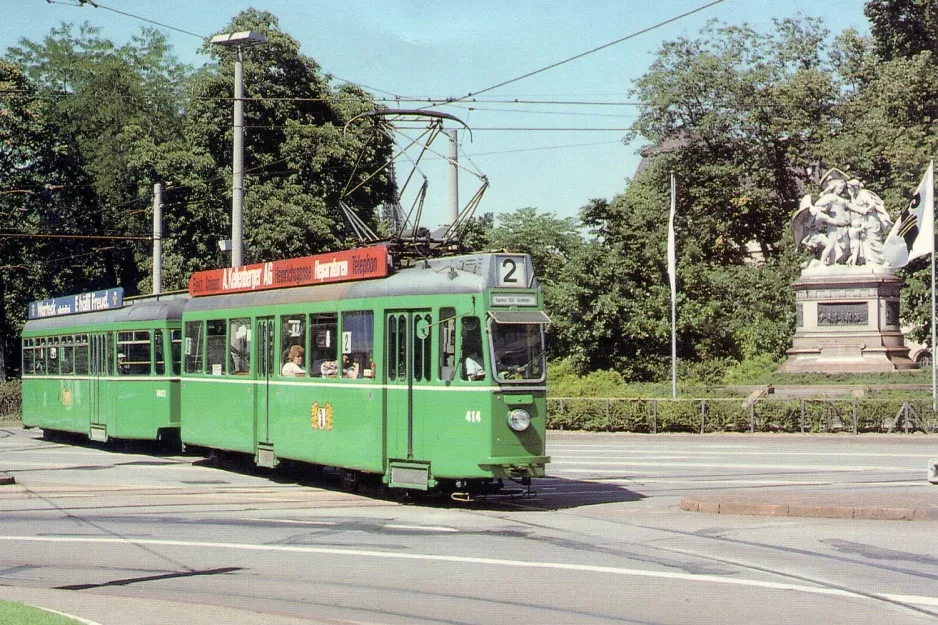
[(107, 237), (583, 54), (98, 5)]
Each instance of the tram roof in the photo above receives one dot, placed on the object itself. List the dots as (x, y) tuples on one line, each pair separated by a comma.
[(165, 307)]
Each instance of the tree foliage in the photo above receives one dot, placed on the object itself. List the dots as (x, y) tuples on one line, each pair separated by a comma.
[(903, 28), (88, 127), (300, 159)]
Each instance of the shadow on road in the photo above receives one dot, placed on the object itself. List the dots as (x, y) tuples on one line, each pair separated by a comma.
[(550, 493)]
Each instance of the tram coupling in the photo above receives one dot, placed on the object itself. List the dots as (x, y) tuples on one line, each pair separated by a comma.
[(496, 491)]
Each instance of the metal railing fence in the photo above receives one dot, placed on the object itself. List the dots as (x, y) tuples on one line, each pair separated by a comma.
[(767, 414)]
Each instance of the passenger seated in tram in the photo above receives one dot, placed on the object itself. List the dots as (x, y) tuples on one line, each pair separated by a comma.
[(350, 368), (294, 364), (328, 369)]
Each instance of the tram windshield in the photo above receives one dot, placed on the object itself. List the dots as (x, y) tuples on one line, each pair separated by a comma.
[(519, 351)]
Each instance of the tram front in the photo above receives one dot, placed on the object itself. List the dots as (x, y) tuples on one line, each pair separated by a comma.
[(519, 407)]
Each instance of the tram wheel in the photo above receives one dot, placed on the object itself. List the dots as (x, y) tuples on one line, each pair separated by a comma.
[(350, 480)]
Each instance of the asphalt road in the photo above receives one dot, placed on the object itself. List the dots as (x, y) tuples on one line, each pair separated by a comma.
[(131, 538)]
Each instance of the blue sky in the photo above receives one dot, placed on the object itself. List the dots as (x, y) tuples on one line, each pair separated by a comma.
[(554, 157)]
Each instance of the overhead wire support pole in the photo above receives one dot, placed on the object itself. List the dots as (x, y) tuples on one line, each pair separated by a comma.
[(237, 165), (238, 41), (157, 238), (453, 175), (672, 276)]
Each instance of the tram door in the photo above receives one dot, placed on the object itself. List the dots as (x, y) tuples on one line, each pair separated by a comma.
[(98, 370), (408, 367), (265, 369)]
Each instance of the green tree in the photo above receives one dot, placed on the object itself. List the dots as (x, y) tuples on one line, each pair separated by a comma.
[(739, 111), (549, 240), (112, 102), (43, 193), (903, 28), (738, 116), (300, 159)]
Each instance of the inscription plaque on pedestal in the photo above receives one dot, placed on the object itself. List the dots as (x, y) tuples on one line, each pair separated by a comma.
[(848, 314), (847, 322)]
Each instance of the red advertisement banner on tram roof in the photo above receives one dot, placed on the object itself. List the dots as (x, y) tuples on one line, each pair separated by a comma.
[(358, 264)]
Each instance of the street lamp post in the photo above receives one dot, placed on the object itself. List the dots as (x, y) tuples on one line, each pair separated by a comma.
[(238, 41)]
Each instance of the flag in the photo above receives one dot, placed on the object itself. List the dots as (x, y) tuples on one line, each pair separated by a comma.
[(913, 234), (672, 255)]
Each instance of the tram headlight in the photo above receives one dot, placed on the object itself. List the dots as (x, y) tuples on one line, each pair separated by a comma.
[(519, 420)]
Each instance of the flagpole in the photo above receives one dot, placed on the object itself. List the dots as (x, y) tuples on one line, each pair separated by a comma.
[(672, 271), (934, 371)]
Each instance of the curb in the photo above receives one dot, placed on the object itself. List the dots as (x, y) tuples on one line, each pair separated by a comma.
[(870, 513), (6, 480)]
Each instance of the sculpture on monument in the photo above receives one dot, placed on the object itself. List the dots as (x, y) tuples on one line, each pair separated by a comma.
[(847, 298), (845, 226)]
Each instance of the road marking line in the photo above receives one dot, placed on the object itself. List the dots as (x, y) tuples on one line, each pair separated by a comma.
[(773, 466), (912, 599), (520, 564), (653, 453), (289, 521), (423, 528)]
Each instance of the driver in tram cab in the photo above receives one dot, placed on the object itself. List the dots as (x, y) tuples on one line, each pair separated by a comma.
[(293, 367), (474, 368)]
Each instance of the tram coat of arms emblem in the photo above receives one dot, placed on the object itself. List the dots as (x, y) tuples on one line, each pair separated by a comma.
[(321, 416)]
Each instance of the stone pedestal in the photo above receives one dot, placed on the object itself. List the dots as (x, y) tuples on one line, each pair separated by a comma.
[(847, 322)]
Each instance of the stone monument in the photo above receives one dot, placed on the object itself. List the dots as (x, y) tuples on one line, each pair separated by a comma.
[(847, 298)]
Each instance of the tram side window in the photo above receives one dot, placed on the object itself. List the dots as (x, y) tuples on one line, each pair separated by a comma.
[(175, 345), (473, 367), (81, 354), (67, 355), (133, 352), (391, 350), (109, 353), (159, 358), (401, 353), (422, 346), (42, 355), (53, 354), (323, 346), (215, 346), (358, 344), (239, 361), (447, 343), (29, 357), (292, 344), (194, 347)]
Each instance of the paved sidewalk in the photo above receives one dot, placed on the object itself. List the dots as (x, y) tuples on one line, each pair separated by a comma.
[(883, 503)]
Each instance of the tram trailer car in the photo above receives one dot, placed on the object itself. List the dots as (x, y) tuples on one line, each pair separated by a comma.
[(110, 373), (385, 388)]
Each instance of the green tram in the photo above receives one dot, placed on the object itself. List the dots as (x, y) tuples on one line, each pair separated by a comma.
[(429, 377), (425, 377), (101, 366)]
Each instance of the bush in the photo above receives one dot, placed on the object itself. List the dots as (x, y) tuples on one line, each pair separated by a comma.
[(11, 399)]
